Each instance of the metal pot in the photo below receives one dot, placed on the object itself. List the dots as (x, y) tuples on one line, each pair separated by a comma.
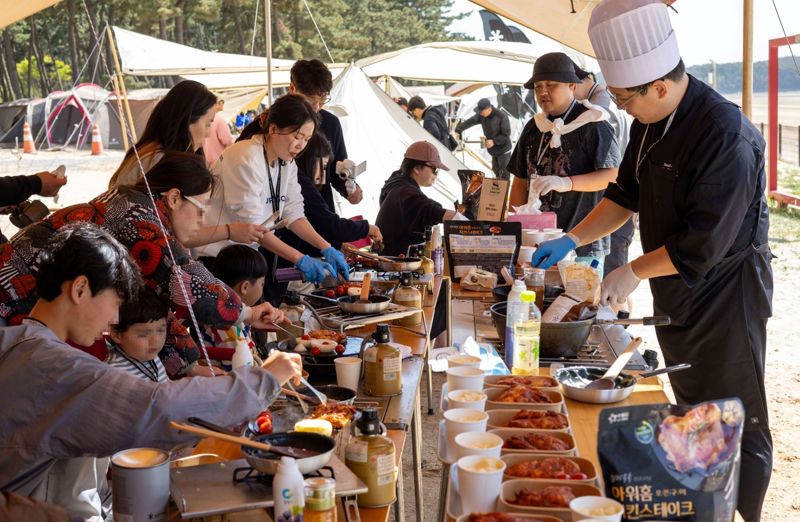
[(556, 339), (268, 462), (573, 380)]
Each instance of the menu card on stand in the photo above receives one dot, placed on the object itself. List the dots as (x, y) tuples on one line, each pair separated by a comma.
[(489, 245), (493, 197)]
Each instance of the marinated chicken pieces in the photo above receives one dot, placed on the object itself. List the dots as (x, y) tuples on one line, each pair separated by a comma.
[(551, 497), (695, 440), (524, 394), (499, 517), (539, 420), (527, 380), (548, 468), (536, 441)]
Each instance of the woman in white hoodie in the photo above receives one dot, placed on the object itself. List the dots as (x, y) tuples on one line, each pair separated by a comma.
[(258, 177)]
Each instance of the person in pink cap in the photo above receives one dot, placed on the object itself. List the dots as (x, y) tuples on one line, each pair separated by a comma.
[(405, 210), (694, 170)]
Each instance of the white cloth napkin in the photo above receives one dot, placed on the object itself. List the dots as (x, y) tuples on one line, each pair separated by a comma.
[(558, 128)]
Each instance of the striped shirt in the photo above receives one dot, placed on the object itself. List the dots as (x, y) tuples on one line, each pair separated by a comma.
[(153, 370)]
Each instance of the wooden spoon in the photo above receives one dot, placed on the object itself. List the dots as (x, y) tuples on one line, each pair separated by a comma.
[(607, 381), (286, 451), (364, 298)]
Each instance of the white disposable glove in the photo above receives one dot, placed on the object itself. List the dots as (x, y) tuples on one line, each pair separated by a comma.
[(346, 167), (544, 184), (618, 285)]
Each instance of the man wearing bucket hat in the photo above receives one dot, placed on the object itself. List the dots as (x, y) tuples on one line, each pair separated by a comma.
[(496, 130), (567, 154), (695, 173)]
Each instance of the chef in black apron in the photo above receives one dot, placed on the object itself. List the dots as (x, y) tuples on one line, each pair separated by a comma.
[(694, 170)]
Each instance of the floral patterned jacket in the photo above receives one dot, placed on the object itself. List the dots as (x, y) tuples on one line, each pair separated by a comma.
[(128, 215)]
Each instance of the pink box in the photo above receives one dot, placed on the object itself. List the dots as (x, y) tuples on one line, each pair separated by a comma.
[(535, 221)]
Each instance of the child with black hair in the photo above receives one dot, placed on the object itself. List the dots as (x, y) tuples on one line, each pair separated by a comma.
[(138, 336)]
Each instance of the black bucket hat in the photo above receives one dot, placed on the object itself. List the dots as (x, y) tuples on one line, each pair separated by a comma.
[(553, 67)]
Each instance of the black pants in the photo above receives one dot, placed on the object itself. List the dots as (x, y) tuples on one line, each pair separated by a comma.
[(756, 469), (499, 164)]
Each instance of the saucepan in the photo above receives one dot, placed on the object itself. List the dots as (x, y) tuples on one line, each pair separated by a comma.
[(359, 304), (390, 263), (573, 380)]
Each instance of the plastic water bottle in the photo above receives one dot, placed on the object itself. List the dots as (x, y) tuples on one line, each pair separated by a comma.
[(288, 490), (527, 331), (514, 312), (242, 356)]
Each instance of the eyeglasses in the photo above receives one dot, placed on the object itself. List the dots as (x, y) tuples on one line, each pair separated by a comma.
[(201, 207), (433, 169), (322, 99), (622, 103)]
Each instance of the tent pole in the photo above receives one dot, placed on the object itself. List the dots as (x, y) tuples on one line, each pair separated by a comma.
[(268, 40), (747, 58), (386, 85), (121, 113), (121, 83)]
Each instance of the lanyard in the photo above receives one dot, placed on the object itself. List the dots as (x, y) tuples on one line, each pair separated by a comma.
[(591, 92), (276, 202), (639, 157), (147, 368), (541, 151)]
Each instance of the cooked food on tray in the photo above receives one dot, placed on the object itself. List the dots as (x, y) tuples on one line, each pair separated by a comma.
[(551, 497), (338, 414), (536, 441), (695, 440), (499, 517), (540, 381), (539, 420), (560, 468), (525, 394), (328, 334)]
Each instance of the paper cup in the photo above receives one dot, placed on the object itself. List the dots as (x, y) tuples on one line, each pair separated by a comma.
[(469, 399), (479, 480), (464, 378), (525, 254), (457, 421), (596, 508), (478, 443), (460, 359), (348, 371)]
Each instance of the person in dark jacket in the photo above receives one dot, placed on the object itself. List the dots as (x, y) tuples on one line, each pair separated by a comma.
[(433, 120), (16, 189), (496, 130), (311, 165), (405, 211), (312, 79)]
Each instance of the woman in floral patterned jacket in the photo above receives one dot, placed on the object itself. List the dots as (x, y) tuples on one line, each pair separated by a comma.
[(181, 185)]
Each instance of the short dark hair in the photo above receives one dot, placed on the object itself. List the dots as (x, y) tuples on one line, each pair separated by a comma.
[(85, 249), (401, 101), (146, 306), (675, 75), (408, 164), (416, 102), (311, 77), (237, 263), (184, 171), (318, 147), (290, 112)]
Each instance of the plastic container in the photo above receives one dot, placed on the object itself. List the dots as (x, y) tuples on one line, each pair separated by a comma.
[(289, 492), (320, 495), (371, 457), (382, 365), (514, 312), (527, 332), (407, 295), (242, 356)]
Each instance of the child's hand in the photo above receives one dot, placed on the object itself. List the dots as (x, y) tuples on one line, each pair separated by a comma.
[(284, 366), (263, 315)]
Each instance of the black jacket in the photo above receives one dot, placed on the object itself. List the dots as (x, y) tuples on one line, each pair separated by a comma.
[(405, 213), (435, 122), (16, 189), (496, 127), (332, 130)]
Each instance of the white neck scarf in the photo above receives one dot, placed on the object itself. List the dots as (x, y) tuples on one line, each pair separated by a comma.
[(558, 128)]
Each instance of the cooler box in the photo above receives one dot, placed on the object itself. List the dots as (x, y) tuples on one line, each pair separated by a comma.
[(535, 221)]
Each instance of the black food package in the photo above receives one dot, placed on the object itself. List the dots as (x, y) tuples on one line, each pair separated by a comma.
[(668, 462), (471, 184)]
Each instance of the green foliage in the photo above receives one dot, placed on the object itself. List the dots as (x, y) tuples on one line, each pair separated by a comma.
[(729, 75), (55, 69)]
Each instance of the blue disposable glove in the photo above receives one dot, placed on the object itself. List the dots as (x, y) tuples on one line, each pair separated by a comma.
[(553, 251), (336, 260), (314, 270)]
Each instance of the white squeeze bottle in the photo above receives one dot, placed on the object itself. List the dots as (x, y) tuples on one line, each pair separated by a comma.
[(514, 311), (527, 332), (288, 491), (242, 356)]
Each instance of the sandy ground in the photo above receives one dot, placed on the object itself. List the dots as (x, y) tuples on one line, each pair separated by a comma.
[(88, 177)]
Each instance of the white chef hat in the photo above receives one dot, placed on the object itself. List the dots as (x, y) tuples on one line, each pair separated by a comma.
[(633, 40)]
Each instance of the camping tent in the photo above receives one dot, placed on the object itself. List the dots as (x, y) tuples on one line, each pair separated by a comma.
[(15, 11), (378, 131)]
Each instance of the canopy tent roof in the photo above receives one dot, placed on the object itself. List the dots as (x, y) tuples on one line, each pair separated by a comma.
[(143, 55), (397, 90), (378, 131), (16, 11), (553, 19)]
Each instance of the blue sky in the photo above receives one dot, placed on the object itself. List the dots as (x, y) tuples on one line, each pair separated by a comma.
[(707, 29)]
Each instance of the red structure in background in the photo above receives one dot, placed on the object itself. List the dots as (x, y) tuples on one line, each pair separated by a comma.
[(772, 106)]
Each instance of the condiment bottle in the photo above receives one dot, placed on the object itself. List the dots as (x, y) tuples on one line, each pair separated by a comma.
[(527, 331), (320, 500), (407, 295), (288, 491), (382, 367), (514, 311), (371, 457)]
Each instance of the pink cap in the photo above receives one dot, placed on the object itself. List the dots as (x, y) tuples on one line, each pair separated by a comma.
[(425, 151)]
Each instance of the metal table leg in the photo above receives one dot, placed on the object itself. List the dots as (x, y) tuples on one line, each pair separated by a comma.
[(416, 444), (443, 483), (399, 504), (429, 377)]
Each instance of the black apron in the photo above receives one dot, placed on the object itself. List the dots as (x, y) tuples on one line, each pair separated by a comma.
[(273, 290), (719, 324)]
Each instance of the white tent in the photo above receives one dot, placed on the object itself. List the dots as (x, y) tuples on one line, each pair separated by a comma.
[(378, 131), (396, 90)]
